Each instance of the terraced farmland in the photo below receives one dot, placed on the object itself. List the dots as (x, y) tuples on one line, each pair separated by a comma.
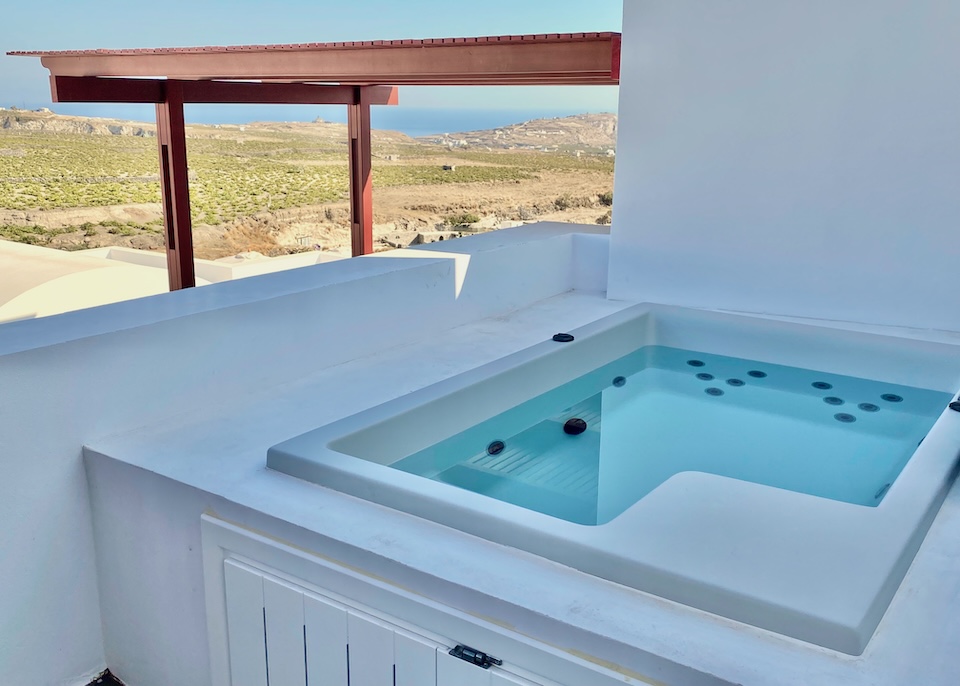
[(261, 176)]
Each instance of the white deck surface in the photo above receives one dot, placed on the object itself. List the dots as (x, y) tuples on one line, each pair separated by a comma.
[(223, 453)]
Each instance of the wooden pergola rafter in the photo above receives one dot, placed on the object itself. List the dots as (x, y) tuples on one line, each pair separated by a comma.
[(311, 73)]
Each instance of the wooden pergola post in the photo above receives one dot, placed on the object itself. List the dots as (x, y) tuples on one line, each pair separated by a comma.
[(170, 95), (174, 188), (361, 177)]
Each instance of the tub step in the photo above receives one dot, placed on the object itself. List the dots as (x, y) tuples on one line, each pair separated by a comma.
[(545, 457)]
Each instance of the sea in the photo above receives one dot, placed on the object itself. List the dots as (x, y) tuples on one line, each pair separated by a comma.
[(412, 121)]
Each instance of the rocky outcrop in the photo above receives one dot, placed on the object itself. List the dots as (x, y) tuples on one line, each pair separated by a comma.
[(44, 120)]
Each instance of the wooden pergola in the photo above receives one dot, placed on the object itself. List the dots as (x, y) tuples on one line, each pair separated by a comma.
[(351, 74)]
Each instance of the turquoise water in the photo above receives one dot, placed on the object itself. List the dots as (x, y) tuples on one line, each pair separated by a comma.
[(660, 411)]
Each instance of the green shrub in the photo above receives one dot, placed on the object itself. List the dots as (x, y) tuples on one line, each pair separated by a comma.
[(461, 219), (567, 201)]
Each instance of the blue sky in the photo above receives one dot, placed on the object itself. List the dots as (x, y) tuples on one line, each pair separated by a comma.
[(68, 24)]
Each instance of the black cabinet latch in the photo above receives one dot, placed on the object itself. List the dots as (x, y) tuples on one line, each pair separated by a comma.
[(468, 654)]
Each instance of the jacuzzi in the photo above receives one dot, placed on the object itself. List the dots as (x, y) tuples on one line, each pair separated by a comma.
[(778, 474)]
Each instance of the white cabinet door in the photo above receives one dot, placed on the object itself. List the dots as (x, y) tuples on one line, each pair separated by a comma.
[(371, 651), (244, 596), (281, 634), (284, 630), (325, 640)]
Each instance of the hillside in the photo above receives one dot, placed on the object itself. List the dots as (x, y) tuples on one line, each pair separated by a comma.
[(45, 121), (77, 182)]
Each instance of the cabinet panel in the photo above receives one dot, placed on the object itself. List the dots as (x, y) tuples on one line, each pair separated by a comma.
[(283, 619), (415, 659), (325, 642), (244, 598), (371, 651)]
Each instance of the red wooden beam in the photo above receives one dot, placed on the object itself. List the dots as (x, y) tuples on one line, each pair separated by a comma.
[(93, 89), (502, 60), (361, 178), (103, 89), (174, 186)]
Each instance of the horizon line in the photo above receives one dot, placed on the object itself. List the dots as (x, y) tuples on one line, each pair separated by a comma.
[(531, 114)]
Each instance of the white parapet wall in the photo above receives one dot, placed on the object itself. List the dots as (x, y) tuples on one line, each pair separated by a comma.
[(225, 269), (795, 158), (39, 281)]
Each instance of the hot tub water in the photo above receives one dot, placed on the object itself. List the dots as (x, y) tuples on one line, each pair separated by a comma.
[(661, 411)]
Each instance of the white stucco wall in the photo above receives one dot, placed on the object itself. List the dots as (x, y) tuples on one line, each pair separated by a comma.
[(797, 158), (68, 379)]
